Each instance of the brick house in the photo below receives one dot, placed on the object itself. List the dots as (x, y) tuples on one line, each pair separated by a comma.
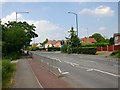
[(54, 43), (87, 40)]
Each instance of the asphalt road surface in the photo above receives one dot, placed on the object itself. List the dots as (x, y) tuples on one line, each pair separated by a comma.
[(87, 71)]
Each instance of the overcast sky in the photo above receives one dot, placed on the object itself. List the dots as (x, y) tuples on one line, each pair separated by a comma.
[(52, 20)]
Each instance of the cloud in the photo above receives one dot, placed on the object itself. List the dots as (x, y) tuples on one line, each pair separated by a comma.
[(98, 11), (102, 28), (44, 28), (12, 17)]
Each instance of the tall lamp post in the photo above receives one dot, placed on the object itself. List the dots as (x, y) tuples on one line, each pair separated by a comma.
[(76, 17), (20, 12)]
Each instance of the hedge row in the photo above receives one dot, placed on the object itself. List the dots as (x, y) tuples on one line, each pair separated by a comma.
[(82, 50), (95, 45), (53, 49)]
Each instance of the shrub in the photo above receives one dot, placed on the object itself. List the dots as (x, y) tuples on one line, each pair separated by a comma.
[(79, 50), (7, 72), (116, 53), (13, 55), (42, 49), (84, 50), (69, 50), (53, 49), (95, 45), (63, 49), (33, 48)]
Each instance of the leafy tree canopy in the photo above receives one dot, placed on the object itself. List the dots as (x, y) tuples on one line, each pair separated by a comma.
[(15, 35), (98, 37), (44, 42), (73, 41), (111, 41)]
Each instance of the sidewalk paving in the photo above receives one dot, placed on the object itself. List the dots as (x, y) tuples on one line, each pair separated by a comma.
[(24, 76), (31, 74), (46, 78)]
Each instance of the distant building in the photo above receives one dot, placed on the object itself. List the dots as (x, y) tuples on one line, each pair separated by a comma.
[(117, 38), (54, 43), (87, 40)]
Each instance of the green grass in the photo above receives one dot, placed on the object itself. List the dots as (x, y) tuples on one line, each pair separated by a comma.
[(100, 53), (7, 73), (0, 74)]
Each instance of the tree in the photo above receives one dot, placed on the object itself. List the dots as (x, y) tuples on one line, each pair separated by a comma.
[(44, 42), (73, 41), (28, 29), (111, 41), (98, 37), (15, 35)]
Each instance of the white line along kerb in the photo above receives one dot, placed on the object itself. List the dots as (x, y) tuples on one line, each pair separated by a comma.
[(107, 73)]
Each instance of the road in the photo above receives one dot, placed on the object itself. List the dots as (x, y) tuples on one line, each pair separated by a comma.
[(87, 71)]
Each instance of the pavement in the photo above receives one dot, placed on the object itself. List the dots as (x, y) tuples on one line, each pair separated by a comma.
[(47, 79), (24, 76), (31, 74)]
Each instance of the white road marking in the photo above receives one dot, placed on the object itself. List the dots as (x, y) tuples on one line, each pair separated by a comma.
[(63, 73), (106, 72), (84, 68), (92, 61), (92, 69), (72, 64), (75, 64), (56, 59)]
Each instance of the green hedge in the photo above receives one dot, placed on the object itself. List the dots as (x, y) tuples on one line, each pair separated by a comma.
[(82, 50), (33, 48), (95, 45), (53, 49), (42, 49), (63, 49)]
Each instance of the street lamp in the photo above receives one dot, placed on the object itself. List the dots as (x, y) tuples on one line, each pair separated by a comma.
[(76, 20), (20, 12)]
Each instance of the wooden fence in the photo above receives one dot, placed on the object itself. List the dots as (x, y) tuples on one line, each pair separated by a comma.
[(109, 48)]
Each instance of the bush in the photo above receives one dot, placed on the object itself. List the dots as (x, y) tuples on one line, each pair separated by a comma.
[(7, 72), (42, 49), (13, 55), (53, 49), (69, 50), (84, 50), (95, 45), (63, 49), (116, 53), (33, 48)]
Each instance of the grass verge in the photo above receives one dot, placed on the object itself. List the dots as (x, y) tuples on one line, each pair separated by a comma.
[(8, 70)]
